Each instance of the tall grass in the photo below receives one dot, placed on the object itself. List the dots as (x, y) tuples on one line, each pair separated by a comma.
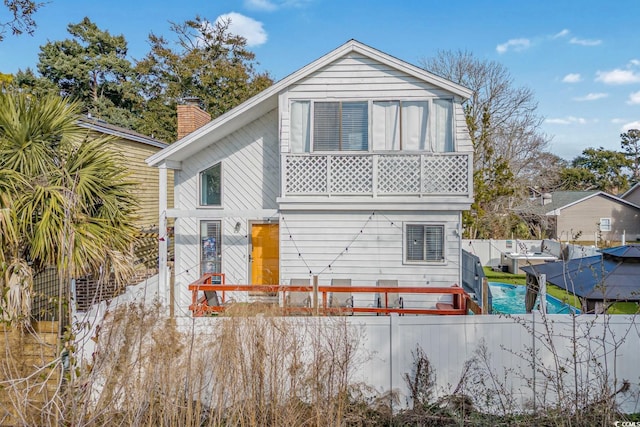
[(243, 370)]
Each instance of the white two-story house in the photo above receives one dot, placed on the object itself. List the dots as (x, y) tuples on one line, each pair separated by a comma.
[(357, 166)]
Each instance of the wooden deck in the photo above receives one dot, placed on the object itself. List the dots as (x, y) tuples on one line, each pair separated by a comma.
[(319, 304)]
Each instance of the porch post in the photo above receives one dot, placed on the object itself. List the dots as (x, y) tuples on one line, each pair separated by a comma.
[(163, 275)]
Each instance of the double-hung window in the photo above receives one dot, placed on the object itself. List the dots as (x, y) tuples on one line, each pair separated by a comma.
[(605, 224), (424, 243)]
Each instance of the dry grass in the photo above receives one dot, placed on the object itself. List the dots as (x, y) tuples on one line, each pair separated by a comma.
[(255, 368), (249, 369)]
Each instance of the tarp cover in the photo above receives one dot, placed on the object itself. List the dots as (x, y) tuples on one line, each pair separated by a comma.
[(615, 275)]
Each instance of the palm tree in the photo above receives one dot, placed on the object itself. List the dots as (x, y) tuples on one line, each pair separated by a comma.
[(65, 201)]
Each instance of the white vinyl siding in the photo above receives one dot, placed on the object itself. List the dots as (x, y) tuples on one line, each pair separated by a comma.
[(363, 247), (359, 78), (250, 183)]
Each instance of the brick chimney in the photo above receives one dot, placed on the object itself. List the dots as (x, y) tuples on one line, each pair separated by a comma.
[(191, 117)]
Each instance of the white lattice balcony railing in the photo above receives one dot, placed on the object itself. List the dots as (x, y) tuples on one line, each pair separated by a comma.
[(377, 174)]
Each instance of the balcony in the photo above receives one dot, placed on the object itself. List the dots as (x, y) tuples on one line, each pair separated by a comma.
[(377, 175)]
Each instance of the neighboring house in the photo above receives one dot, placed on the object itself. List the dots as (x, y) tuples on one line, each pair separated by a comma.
[(632, 195), (357, 166), (133, 148), (583, 216)]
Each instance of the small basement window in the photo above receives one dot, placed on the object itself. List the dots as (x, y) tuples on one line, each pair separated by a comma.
[(424, 243)]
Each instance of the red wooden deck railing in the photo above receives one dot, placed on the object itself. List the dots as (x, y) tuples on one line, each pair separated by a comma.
[(199, 305)]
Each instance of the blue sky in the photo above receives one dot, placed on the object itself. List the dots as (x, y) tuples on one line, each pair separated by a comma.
[(580, 58)]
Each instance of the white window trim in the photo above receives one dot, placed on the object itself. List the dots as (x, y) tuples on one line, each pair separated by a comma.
[(444, 243), (219, 243), (199, 185), (602, 227), (312, 141)]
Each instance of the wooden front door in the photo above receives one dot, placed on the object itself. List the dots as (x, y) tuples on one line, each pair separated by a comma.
[(265, 254)]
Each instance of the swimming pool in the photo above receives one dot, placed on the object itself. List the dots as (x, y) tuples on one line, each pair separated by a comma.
[(509, 299)]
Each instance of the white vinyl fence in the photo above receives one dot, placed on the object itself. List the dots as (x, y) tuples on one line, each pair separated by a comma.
[(490, 251), (495, 354)]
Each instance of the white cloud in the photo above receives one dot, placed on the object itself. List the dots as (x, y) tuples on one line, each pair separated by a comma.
[(632, 125), (514, 44), (572, 78), (617, 77), (634, 98), (264, 5), (585, 42), (246, 27), (562, 33), (591, 97), (570, 120), (616, 121), (271, 5)]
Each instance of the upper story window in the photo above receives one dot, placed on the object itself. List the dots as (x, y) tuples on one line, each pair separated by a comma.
[(416, 125), (341, 126), (211, 186)]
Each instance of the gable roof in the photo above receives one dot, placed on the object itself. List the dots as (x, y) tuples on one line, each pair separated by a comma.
[(109, 129), (564, 199), (268, 99), (633, 189)]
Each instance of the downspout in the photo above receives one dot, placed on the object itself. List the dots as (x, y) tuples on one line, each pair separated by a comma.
[(459, 233)]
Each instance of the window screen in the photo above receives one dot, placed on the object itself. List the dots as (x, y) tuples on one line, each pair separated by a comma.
[(210, 249), (605, 224), (424, 242)]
